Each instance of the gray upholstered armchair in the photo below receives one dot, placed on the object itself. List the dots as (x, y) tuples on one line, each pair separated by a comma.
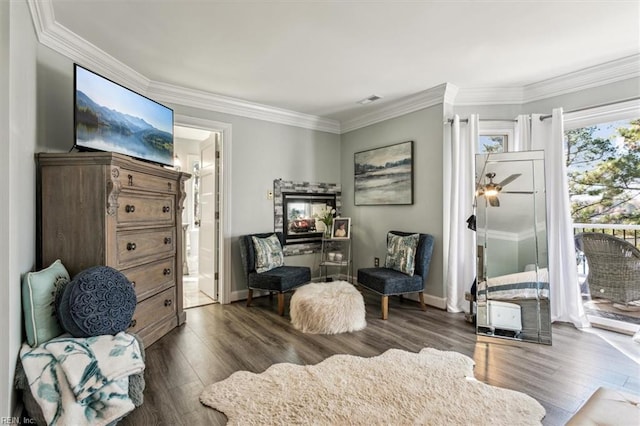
[(278, 280), (390, 281), (614, 267)]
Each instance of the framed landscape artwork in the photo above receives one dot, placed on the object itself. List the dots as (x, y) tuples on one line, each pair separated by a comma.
[(384, 175)]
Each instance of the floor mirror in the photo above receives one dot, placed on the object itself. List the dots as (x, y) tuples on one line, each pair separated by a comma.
[(512, 292)]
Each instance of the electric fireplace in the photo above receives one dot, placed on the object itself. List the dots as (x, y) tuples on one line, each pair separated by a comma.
[(300, 215)]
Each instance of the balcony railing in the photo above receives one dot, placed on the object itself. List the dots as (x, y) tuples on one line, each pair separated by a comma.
[(630, 233)]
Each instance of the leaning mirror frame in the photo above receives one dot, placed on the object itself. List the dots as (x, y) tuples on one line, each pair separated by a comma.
[(512, 292)]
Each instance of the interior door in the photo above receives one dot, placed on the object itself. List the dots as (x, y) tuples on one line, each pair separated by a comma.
[(207, 250)]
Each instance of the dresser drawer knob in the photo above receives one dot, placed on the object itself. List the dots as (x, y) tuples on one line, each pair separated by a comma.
[(131, 246), (166, 209), (133, 323), (167, 240), (130, 179), (133, 284), (168, 302), (169, 186), (166, 271), (130, 208)]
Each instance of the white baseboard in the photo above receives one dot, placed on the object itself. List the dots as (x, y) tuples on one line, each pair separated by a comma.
[(436, 302), (242, 294), (613, 325)]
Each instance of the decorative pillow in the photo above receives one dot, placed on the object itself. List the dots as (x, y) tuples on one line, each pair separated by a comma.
[(99, 300), (401, 253), (269, 253), (38, 302)]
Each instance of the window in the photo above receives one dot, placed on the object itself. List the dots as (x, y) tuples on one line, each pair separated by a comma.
[(603, 168), (492, 144), (495, 136)]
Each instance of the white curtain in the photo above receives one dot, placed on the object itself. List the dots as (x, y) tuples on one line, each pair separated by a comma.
[(535, 134), (522, 139), (459, 241)]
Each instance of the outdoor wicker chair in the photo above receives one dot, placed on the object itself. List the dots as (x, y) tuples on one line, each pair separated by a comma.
[(614, 267)]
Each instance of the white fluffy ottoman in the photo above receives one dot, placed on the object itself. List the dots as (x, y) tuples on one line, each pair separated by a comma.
[(327, 308)]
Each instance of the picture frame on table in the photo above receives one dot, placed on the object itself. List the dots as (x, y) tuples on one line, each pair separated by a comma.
[(341, 228)]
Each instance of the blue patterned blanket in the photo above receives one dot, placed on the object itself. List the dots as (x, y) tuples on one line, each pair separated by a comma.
[(83, 381)]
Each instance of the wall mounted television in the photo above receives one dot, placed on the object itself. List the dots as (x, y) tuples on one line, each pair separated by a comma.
[(110, 117)]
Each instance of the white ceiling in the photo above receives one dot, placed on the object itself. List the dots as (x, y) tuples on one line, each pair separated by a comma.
[(321, 57)]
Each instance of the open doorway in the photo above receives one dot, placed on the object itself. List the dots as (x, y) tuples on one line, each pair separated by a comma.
[(197, 153)]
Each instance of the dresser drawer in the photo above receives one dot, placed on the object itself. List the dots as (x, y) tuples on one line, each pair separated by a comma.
[(153, 309), (150, 278), (135, 247), (137, 180), (143, 209)]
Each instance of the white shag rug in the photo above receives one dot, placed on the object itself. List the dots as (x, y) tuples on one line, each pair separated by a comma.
[(396, 388), (327, 308)]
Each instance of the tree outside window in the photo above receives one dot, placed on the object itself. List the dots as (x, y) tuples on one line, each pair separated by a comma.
[(603, 166)]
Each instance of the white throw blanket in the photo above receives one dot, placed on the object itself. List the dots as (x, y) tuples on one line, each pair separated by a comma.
[(83, 381)]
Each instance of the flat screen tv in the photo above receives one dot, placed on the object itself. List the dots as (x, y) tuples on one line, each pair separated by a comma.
[(110, 117)]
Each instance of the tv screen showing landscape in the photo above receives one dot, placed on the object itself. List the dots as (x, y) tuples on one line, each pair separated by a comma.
[(110, 117)]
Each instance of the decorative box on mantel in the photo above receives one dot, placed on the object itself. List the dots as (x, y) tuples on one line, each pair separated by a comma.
[(302, 237), (108, 209)]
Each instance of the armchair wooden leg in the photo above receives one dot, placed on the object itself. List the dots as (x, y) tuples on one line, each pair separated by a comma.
[(385, 307), (249, 297), (281, 304), (422, 305)]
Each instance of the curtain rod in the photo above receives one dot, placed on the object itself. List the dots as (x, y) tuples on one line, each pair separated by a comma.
[(544, 117), (466, 120)]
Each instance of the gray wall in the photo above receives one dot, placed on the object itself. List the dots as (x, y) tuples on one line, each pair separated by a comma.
[(41, 115), (37, 116), (502, 257), (613, 92), (261, 152), (370, 224), (608, 93), (8, 317), (18, 82)]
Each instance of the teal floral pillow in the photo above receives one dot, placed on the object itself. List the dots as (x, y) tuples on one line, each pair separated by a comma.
[(401, 253), (268, 253)]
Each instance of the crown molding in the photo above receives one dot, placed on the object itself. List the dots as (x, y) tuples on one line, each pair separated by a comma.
[(598, 75), (53, 35), (490, 96), (199, 99), (602, 114), (403, 106), (450, 93)]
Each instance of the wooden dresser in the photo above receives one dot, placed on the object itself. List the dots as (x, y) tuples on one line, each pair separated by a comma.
[(109, 209)]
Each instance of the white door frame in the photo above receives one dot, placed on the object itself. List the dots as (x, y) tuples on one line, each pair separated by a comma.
[(224, 174)]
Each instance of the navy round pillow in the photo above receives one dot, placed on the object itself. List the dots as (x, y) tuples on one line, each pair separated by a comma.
[(99, 300)]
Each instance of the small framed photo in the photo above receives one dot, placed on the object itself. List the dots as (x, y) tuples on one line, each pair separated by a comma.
[(341, 228)]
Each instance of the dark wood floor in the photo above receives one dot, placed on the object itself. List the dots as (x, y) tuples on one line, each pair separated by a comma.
[(220, 339)]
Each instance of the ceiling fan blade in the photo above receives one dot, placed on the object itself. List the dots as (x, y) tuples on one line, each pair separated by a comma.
[(493, 201), (510, 179)]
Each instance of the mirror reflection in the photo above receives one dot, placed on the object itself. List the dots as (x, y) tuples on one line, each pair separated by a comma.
[(511, 233)]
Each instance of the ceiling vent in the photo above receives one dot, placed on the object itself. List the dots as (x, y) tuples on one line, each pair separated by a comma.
[(369, 99)]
